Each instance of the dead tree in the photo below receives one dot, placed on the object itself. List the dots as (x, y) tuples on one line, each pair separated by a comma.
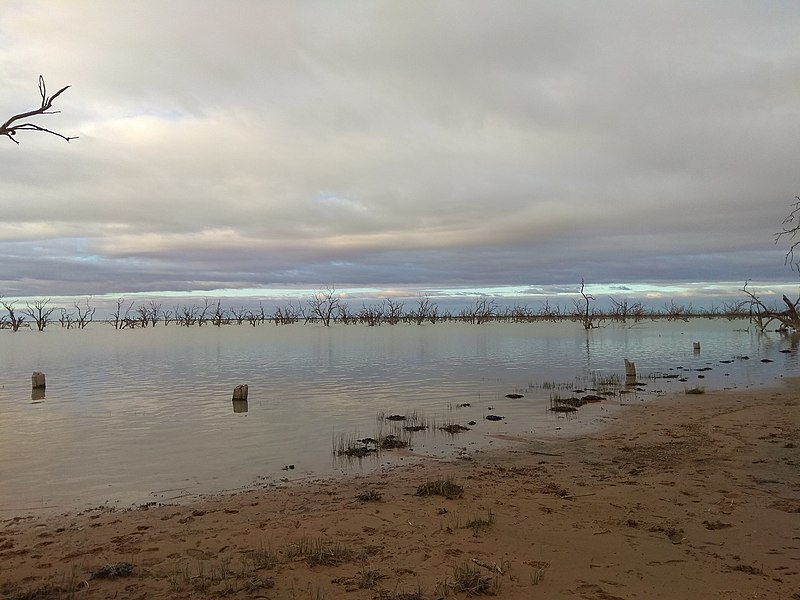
[(20, 122), (13, 320), (426, 310), (238, 314), (324, 304), (84, 316), (762, 315), (483, 310), (372, 314), (123, 320), (394, 311), (143, 315), (550, 313), (285, 315), (67, 319), (219, 315), (622, 310), (583, 310), (678, 312), (40, 312)]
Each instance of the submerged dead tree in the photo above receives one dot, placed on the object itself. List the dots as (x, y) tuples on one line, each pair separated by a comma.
[(583, 309), (762, 315), (40, 312), (14, 320), (324, 304), (21, 122)]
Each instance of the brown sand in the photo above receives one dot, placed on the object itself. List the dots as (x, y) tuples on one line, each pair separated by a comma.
[(683, 497)]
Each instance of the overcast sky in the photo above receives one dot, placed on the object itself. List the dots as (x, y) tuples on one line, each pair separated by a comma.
[(397, 145)]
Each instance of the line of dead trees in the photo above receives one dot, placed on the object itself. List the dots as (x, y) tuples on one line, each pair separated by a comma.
[(327, 307)]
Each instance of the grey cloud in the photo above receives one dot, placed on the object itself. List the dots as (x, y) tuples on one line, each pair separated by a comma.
[(415, 144)]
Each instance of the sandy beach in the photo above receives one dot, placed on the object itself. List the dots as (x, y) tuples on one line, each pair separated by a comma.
[(685, 496)]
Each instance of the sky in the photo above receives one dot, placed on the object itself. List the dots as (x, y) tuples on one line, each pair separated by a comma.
[(399, 147)]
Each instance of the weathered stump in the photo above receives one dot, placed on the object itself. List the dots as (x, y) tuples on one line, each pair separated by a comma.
[(630, 372), (696, 347), (240, 406), (240, 392), (38, 380)]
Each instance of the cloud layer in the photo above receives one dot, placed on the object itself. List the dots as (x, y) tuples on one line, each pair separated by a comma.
[(414, 144)]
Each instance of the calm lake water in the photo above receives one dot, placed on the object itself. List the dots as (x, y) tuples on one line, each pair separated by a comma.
[(146, 415)]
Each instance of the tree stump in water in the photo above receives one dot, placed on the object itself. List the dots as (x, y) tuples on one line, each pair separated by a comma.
[(240, 392), (630, 372), (38, 380)]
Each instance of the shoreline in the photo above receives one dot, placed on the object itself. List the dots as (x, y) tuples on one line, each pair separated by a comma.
[(680, 496)]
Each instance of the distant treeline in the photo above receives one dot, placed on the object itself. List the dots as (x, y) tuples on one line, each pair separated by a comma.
[(327, 307)]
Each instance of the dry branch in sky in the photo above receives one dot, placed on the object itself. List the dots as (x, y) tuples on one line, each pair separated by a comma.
[(18, 122), (790, 228)]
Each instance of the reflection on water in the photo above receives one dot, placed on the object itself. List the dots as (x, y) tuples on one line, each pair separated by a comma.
[(140, 415)]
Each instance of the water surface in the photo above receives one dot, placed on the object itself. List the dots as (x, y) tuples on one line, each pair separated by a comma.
[(146, 415)]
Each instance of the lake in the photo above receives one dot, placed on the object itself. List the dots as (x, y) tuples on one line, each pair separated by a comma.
[(145, 415)]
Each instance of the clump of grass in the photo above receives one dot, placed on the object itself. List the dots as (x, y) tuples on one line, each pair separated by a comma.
[(749, 569), (469, 580), (387, 595), (319, 551), (395, 417), (415, 428), (696, 390), (351, 447), (441, 487), (453, 428), (113, 570), (252, 585), (605, 382), (369, 578), (539, 567), (264, 557), (369, 496), (479, 524), (391, 442)]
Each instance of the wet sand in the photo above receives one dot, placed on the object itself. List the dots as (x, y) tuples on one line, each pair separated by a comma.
[(686, 496)]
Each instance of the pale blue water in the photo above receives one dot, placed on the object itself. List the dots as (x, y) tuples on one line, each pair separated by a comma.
[(146, 415)]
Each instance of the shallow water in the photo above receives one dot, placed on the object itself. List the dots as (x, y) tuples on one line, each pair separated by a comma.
[(146, 415)]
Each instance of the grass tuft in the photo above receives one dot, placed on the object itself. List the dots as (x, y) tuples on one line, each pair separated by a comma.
[(319, 552), (113, 570), (441, 487), (369, 496), (479, 524), (264, 557)]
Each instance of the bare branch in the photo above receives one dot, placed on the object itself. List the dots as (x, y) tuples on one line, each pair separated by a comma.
[(18, 122), (790, 227)]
